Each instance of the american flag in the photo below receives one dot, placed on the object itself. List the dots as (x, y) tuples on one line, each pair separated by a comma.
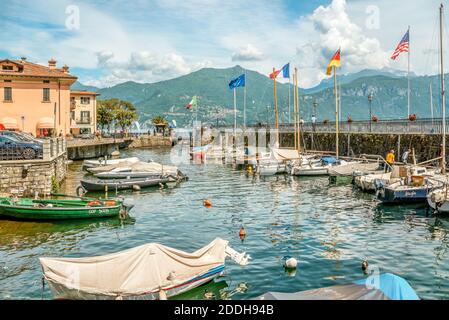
[(402, 46)]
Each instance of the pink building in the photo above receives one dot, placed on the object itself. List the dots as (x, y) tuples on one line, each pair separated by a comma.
[(35, 98)]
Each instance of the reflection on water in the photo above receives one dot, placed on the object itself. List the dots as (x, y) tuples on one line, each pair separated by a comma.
[(329, 229)]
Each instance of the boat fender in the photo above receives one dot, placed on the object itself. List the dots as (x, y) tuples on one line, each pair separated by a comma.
[(136, 187)]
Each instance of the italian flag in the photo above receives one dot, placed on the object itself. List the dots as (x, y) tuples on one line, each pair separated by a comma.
[(192, 103)]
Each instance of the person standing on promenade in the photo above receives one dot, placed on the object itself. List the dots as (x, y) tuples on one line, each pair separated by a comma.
[(390, 161), (405, 156)]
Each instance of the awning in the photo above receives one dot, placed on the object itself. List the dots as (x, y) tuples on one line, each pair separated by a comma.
[(45, 123), (10, 123)]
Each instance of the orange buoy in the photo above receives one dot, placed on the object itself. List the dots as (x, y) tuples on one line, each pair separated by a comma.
[(207, 203), (242, 233)]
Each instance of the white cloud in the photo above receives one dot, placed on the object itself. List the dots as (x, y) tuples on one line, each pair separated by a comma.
[(147, 41), (333, 29), (143, 66), (248, 53)]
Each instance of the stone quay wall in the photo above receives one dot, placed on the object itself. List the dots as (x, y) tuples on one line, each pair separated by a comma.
[(25, 178), (148, 141), (427, 146)]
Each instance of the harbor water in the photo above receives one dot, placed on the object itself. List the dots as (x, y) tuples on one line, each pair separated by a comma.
[(329, 229)]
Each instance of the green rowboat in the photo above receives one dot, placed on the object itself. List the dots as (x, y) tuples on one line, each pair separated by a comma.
[(49, 209)]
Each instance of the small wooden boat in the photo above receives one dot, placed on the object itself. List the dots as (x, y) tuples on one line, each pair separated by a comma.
[(151, 271), (123, 184), (53, 209)]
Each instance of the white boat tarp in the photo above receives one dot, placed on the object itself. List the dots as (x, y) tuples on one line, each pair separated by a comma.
[(153, 167), (133, 272), (285, 154)]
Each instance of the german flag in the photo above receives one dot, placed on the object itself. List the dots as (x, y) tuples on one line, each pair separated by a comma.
[(335, 62)]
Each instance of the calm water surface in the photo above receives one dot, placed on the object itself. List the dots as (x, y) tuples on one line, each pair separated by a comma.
[(328, 229)]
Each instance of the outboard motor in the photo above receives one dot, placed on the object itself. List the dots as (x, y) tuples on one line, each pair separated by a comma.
[(378, 185)]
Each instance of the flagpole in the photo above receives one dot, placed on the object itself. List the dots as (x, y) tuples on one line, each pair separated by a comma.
[(235, 112), (443, 96), (295, 116), (244, 102), (408, 75), (289, 102), (336, 111), (297, 110), (276, 106)]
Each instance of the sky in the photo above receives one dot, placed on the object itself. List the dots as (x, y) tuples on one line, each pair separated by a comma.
[(106, 42)]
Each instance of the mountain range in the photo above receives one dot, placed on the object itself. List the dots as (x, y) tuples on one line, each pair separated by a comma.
[(215, 100)]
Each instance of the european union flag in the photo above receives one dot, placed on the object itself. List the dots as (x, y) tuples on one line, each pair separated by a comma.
[(237, 82)]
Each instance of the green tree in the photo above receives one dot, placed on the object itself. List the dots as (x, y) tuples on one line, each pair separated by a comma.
[(105, 112), (123, 113)]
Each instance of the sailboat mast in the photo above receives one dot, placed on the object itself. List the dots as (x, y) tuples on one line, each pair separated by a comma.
[(443, 95), (431, 101), (336, 111)]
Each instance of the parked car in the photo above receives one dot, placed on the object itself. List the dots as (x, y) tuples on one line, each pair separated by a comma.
[(84, 136), (12, 149), (21, 136)]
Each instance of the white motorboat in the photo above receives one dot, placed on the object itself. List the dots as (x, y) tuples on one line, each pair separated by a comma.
[(276, 161), (367, 182), (438, 200), (315, 166)]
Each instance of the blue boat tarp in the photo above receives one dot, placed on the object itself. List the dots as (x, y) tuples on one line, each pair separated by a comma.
[(201, 148), (329, 160), (383, 287), (394, 287)]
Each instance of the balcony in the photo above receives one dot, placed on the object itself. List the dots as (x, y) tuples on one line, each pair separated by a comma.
[(85, 120)]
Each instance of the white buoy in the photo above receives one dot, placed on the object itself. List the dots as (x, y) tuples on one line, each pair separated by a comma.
[(291, 263), (115, 153), (136, 187)]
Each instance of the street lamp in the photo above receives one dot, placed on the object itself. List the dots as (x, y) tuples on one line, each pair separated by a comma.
[(315, 105), (370, 99)]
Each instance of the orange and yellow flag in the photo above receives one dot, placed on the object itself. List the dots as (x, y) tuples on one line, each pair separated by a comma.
[(335, 62)]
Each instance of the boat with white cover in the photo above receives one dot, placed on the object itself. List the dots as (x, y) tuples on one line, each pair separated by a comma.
[(316, 166), (148, 272), (106, 162)]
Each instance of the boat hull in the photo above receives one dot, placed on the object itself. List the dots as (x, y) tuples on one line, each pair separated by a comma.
[(126, 175), (414, 195), (310, 172), (62, 292), (31, 213), (122, 184)]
